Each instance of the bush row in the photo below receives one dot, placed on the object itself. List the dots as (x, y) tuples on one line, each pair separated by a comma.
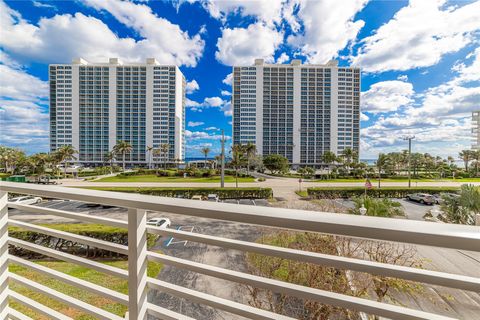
[(223, 193), (385, 192), (101, 232)]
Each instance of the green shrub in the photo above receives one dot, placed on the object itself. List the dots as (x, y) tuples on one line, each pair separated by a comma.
[(383, 207), (384, 192), (261, 179), (223, 193)]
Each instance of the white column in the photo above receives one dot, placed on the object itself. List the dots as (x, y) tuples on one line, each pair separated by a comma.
[(259, 110), (149, 108), (296, 114), (334, 111), (3, 255), (112, 107), (179, 114), (137, 264), (76, 107)]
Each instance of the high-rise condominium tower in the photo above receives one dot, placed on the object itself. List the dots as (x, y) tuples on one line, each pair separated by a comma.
[(476, 130), (94, 105), (297, 110)]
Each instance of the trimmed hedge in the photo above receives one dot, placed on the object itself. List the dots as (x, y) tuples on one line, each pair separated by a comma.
[(223, 193), (101, 232), (384, 192)]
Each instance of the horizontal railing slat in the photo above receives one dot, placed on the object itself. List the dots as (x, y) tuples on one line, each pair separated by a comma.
[(400, 230), (70, 258), (63, 298), (372, 267), (85, 285), (69, 215), (327, 297), (101, 244), (165, 314), (38, 307), (15, 315), (213, 301)]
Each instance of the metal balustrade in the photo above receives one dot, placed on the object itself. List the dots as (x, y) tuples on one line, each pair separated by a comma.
[(404, 231)]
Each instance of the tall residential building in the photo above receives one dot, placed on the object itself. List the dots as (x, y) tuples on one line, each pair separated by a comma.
[(476, 130), (297, 110), (93, 105)]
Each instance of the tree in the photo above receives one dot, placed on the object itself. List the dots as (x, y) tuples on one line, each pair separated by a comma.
[(238, 159), (461, 209), (66, 154), (205, 151), (329, 157), (164, 148), (251, 150), (123, 147), (10, 158), (383, 207), (149, 155), (109, 158), (276, 163), (306, 172), (466, 156), (382, 162)]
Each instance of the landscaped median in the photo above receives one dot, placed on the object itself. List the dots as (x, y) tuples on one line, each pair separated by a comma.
[(223, 193), (384, 192)]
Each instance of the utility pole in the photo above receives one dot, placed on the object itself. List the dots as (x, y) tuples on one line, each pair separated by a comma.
[(222, 164), (409, 138)]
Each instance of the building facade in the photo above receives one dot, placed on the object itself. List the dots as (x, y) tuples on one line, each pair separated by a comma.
[(297, 110), (476, 130), (94, 105)]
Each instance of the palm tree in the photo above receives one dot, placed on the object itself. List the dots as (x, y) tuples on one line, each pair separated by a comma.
[(466, 156), (250, 149), (164, 148), (123, 147), (382, 162), (329, 157), (238, 153), (149, 156), (476, 156), (205, 151), (110, 158), (66, 154)]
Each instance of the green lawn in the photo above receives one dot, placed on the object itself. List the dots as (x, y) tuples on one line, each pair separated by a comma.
[(154, 178), (80, 272)]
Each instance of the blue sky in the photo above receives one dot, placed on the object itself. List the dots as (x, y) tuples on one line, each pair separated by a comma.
[(420, 59)]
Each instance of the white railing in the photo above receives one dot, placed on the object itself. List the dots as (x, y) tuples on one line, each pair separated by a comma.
[(405, 231)]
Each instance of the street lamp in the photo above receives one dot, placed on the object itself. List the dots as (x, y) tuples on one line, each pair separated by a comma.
[(409, 138)]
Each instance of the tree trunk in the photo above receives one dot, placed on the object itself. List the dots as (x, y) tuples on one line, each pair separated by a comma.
[(379, 177), (123, 161), (65, 169), (236, 177)]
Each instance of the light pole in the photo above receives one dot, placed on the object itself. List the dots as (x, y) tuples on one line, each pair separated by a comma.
[(222, 162), (409, 138)]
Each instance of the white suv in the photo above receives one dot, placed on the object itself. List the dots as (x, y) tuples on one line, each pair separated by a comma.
[(159, 222)]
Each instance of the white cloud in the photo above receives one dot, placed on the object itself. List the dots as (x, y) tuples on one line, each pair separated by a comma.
[(387, 96), (201, 135), (195, 123), (192, 86), (328, 26), (92, 39), (210, 102), (241, 46), (282, 58), (226, 93), (23, 113), (212, 129), (268, 11), (40, 4), (402, 77), (419, 35), (228, 79), (364, 117)]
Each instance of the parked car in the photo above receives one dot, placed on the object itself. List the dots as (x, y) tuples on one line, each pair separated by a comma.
[(423, 198), (212, 197), (197, 197), (26, 200), (159, 222), (440, 198)]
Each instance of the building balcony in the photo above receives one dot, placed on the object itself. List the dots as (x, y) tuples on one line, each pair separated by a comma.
[(383, 229)]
